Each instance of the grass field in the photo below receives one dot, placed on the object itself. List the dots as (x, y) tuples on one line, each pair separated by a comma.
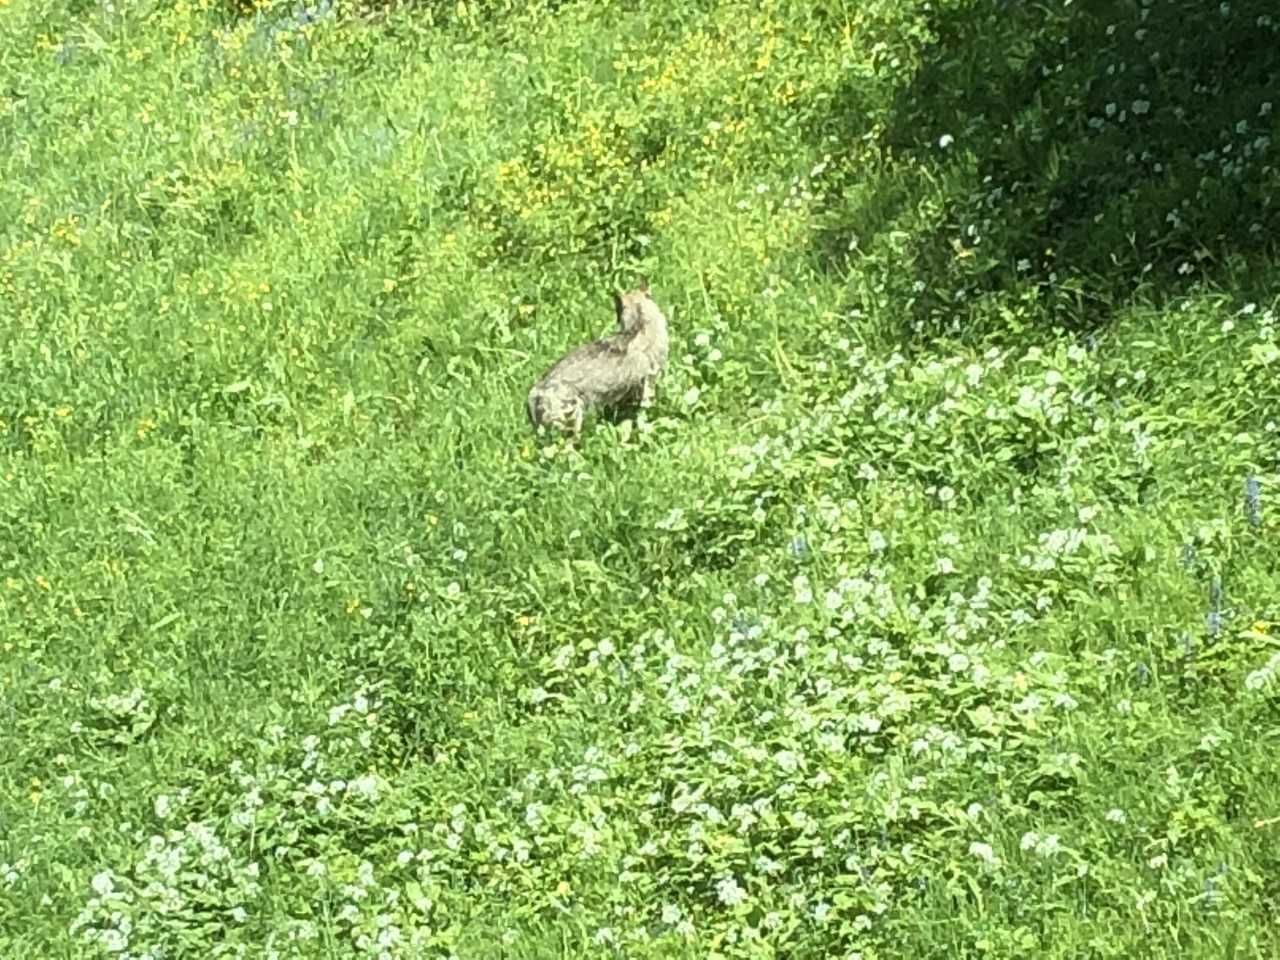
[(932, 612)]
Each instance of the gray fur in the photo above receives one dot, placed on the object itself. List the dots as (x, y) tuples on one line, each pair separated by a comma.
[(619, 370)]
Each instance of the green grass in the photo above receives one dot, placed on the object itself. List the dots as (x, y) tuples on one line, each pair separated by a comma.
[(932, 611)]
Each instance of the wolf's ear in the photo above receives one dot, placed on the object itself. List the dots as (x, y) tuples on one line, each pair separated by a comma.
[(644, 286)]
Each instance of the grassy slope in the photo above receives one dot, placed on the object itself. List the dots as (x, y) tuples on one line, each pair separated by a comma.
[(946, 555)]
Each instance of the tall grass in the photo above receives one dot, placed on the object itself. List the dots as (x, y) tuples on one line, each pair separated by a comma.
[(931, 612)]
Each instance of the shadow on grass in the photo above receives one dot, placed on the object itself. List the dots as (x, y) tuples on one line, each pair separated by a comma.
[(1078, 155)]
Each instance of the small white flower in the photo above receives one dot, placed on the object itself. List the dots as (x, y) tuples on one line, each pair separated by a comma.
[(730, 893), (946, 140), (671, 914), (983, 851), (691, 396), (787, 760), (1048, 845), (103, 884), (702, 340), (1116, 815), (161, 806)]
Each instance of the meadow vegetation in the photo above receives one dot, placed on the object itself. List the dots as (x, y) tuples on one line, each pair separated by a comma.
[(932, 611)]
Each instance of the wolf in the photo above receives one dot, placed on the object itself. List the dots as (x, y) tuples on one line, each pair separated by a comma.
[(621, 369)]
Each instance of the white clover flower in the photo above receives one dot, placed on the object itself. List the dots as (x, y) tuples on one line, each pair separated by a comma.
[(983, 852), (113, 940), (946, 140), (787, 760), (1116, 815), (671, 914), (767, 865), (1048, 846), (691, 396), (730, 893), (103, 883)]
